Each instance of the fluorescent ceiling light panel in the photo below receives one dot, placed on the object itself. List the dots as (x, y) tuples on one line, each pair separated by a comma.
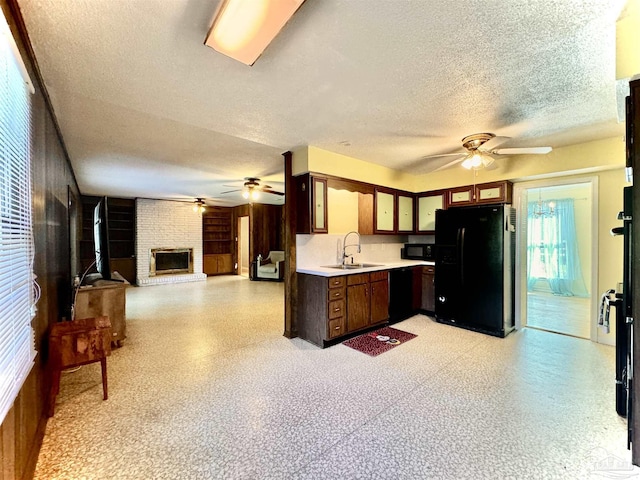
[(242, 29)]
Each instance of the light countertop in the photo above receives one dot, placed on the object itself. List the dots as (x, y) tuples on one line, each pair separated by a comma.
[(335, 272)]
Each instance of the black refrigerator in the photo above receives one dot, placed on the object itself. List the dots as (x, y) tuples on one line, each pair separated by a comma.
[(475, 268)]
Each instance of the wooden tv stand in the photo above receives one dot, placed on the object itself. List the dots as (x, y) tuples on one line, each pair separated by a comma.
[(105, 298)]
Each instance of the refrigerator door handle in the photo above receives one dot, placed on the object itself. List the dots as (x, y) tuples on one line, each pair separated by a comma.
[(461, 232)]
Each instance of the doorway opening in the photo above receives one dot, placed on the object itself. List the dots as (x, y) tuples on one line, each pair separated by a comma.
[(557, 256), (243, 246)]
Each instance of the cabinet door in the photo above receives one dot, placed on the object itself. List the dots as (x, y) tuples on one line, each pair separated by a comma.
[(385, 209), (462, 195), (358, 307), (319, 206), (427, 206), (210, 264), (365, 213), (379, 301), (225, 263), (405, 213), (428, 289), (495, 192)]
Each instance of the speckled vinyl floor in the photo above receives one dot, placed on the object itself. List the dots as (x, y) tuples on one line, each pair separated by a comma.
[(206, 386)]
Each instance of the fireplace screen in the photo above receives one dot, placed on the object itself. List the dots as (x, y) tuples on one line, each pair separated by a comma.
[(170, 261)]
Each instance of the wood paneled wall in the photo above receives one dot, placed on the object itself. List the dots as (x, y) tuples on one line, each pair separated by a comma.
[(266, 228), (22, 430)]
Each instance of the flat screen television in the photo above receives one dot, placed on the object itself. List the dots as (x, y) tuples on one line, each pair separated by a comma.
[(101, 238)]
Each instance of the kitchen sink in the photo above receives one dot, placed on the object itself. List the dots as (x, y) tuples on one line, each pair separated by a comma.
[(353, 266)]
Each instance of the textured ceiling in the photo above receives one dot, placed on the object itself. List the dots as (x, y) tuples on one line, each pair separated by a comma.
[(147, 110)]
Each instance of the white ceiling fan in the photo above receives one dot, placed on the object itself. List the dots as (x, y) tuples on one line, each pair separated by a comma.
[(479, 150)]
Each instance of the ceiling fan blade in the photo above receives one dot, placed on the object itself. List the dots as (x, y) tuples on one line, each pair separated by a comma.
[(267, 190), (444, 155), (451, 163), (520, 151), (492, 143), (231, 191)]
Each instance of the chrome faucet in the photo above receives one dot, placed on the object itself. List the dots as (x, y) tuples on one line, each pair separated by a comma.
[(344, 247)]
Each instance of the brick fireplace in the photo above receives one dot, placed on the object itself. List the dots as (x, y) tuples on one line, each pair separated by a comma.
[(174, 230)]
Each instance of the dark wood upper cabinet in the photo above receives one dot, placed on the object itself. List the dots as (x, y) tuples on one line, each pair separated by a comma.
[(481, 194), (405, 212), (383, 210), (460, 196), (311, 204), (426, 205), (384, 207), (494, 192)]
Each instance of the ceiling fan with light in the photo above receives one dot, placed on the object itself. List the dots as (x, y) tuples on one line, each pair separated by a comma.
[(480, 149), (251, 189)]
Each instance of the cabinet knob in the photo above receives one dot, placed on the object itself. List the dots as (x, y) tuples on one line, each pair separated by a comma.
[(336, 309), (336, 328)]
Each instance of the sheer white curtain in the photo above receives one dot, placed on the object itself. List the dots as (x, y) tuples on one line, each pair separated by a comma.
[(552, 249)]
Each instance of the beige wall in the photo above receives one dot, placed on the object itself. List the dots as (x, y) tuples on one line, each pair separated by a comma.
[(313, 159), (342, 211)]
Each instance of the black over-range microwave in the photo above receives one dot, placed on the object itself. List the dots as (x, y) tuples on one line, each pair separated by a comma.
[(418, 251)]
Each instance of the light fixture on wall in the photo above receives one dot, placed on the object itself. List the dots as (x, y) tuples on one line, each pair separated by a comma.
[(543, 209), (199, 206), (477, 160), (242, 29)]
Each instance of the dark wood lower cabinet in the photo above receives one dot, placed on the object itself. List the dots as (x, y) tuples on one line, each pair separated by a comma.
[(428, 289), (358, 307), (217, 263), (379, 299), (329, 308)]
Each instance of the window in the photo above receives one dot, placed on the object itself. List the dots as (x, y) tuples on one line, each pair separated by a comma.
[(552, 248), (17, 296)]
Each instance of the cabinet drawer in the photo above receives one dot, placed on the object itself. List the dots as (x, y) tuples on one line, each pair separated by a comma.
[(358, 279), (429, 270), (336, 282), (336, 309), (378, 276), (335, 294), (336, 327)]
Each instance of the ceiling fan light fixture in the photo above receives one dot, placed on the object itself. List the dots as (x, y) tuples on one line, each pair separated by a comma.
[(242, 29), (199, 206), (477, 160), (245, 194), (255, 195)]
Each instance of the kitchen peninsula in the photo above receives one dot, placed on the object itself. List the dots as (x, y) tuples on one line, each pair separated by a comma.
[(335, 302)]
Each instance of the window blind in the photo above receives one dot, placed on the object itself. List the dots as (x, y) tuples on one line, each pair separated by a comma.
[(17, 297)]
